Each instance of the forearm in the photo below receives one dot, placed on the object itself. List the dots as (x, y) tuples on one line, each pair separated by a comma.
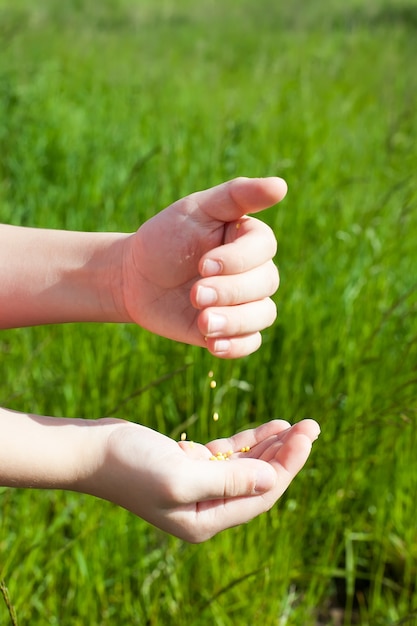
[(50, 453), (50, 276)]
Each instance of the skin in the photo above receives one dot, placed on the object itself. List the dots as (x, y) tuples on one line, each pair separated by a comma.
[(199, 272)]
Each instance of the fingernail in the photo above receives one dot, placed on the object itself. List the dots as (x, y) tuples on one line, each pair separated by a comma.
[(221, 346), (206, 296), (211, 267), (265, 479), (216, 323)]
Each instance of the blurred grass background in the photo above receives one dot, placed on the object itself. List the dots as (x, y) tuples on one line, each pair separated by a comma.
[(109, 112)]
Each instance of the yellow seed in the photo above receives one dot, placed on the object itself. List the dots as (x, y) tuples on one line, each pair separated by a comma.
[(237, 225), (229, 452), (215, 416), (210, 374), (183, 436), (213, 384), (213, 458), (191, 444)]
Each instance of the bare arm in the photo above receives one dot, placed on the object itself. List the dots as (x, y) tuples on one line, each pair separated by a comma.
[(45, 452), (51, 276), (200, 272), (174, 486)]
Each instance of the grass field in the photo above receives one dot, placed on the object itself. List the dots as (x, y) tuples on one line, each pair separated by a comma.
[(111, 110)]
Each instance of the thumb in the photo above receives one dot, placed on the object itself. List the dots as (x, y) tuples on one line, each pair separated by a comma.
[(229, 201), (223, 480)]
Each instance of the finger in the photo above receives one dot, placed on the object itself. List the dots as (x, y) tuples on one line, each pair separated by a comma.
[(233, 347), (218, 495), (308, 427), (265, 441), (250, 437), (221, 480), (195, 450), (247, 244), (256, 284), (233, 493), (238, 320), (229, 201), (291, 456), (269, 449)]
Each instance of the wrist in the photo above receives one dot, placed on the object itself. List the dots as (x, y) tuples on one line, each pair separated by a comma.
[(91, 466), (99, 471), (50, 453)]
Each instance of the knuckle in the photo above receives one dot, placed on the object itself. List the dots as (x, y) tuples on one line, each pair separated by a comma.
[(239, 264), (238, 485), (234, 295)]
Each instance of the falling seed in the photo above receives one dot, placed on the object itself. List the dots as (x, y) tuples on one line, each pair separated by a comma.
[(183, 436), (210, 374), (213, 384), (215, 416)]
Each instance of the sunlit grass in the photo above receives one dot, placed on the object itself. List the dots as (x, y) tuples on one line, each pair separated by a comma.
[(109, 112)]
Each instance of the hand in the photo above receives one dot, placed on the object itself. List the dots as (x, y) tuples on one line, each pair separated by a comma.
[(201, 271), (177, 488)]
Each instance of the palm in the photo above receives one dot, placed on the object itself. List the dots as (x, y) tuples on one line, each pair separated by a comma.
[(179, 489), (165, 257)]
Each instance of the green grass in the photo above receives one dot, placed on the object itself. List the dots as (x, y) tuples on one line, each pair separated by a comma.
[(110, 111)]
